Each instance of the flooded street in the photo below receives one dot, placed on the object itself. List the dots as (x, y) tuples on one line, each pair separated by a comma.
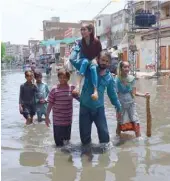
[(28, 152)]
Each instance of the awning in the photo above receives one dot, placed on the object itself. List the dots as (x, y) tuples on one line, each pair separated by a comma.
[(69, 40), (50, 42)]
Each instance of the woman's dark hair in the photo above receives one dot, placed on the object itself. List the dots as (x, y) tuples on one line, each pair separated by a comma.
[(63, 72), (120, 66), (90, 28)]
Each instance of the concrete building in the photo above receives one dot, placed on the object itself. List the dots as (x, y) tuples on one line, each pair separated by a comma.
[(145, 39), (119, 26), (24, 52), (103, 29), (34, 49), (19, 52), (54, 29), (12, 50)]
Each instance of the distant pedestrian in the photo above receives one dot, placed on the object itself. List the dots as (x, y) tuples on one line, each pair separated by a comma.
[(48, 68), (27, 66), (27, 102), (33, 67), (41, 97), (60, 100)]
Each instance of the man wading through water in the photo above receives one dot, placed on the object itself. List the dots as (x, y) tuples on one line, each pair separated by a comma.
[(94, 111)]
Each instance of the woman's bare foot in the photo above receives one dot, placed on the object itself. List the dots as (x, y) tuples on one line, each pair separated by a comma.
[(76, 91), (94, 96)]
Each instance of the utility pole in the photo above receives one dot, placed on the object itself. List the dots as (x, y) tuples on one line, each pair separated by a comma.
[(131, 37), (157, 40)]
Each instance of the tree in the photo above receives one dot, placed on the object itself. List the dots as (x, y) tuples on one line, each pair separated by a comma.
[(2, 50), (8, 59)]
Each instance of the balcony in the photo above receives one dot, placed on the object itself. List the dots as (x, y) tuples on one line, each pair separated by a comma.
[(165, 22)]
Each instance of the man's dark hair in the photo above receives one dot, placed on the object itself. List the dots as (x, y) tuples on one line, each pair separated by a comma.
[(107, 54), (115, 47), (27, 71), (37, 74)]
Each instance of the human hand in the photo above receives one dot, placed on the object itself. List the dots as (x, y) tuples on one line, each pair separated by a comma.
[(47, 121), (21, 109), (42, 101), (114, 75), (147, 94)]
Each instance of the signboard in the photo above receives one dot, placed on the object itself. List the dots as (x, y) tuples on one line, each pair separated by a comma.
[(68, 33)]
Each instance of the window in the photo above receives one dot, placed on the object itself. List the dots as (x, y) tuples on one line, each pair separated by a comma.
[(167, 11), (99, 23)]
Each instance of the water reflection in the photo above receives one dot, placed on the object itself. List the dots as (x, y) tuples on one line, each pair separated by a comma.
[(32, 159)]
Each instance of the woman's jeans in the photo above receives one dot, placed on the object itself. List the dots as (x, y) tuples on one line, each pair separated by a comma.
[(86, 117), (82, 64)]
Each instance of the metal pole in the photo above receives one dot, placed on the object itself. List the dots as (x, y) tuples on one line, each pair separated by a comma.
[(157, 40), (102, 9), (131, 54)]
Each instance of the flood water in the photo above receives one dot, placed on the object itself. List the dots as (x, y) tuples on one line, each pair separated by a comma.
[(28, 152)]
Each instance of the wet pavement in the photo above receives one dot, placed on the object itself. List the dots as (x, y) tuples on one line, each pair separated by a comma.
[(28, 152)]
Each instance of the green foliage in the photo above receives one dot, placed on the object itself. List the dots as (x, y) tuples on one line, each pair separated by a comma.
[(2, 50), (8, 59)]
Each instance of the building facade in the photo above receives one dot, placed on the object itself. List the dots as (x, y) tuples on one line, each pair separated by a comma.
[(103, 29), (146, 39), (54, 29), (119, 26), (19, 52)]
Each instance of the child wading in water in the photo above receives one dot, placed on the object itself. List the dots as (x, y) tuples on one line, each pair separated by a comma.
[(60, 100), (89, 48), (27, 102), (41, 97), (127, 92)]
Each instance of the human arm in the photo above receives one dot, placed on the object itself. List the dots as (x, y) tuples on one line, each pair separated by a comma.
[(75, 96), (51, 100), (20, 99), (112, 94), (139, 94), (47, 92), (47, 119)]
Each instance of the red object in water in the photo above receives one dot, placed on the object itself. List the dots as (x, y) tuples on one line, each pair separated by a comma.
[(129, 127)]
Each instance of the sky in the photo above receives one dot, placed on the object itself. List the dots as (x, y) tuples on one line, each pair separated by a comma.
[(21, 20)]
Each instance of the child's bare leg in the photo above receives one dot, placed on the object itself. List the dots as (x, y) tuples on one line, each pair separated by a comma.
[(77, 89), (94, 96), (137, 130), (118, 131)]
